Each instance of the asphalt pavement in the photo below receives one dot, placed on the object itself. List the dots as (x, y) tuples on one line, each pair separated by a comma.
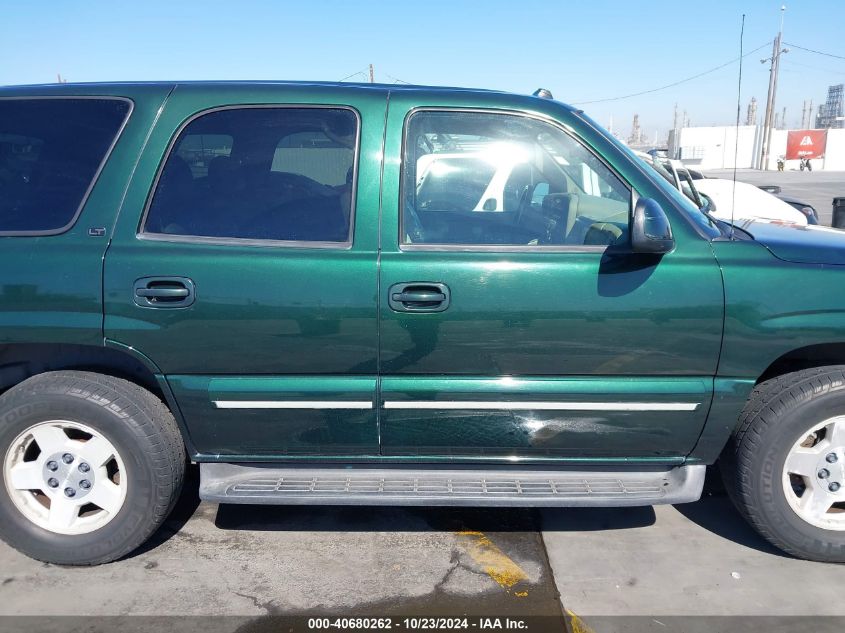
[(262, 562)]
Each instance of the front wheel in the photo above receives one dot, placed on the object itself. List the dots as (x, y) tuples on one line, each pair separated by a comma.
[(91, 466), (785, 464)]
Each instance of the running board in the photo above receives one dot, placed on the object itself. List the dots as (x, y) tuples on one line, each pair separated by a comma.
[(452, 486)]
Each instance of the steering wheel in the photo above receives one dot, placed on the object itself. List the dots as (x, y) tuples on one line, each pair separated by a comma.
[(524, 200)]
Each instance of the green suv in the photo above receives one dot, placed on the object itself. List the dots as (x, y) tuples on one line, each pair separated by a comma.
[(365, 294)]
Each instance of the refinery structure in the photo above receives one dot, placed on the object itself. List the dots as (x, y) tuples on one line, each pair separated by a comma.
[(744, 146)]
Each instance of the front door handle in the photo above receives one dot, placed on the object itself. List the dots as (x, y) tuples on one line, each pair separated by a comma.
[(163, 292), (419, 296)]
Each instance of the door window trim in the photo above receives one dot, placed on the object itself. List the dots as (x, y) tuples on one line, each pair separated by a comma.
[(142, 234), (73, 220), (499, 248)]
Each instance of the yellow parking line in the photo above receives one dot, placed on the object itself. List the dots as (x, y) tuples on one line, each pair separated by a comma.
[(576, 624), (493, 561)]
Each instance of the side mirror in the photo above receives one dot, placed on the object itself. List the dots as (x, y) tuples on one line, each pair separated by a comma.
[(650, 229)]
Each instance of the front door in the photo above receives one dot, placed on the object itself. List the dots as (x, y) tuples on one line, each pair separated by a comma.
[(248, 274), (515, 322)]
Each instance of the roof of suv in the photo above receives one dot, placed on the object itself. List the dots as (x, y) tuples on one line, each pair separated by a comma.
[(101, 87)]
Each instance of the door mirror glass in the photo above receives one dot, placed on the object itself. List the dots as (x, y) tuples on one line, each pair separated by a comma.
[(650, 228)]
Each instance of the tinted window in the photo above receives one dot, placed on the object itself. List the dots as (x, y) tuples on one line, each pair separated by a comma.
[(260, 173), (50, 152), (198, 150), (317, 156), (499, 179)]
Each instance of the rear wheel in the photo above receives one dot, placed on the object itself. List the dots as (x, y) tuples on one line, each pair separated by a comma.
[(91, 467), (785, 464)]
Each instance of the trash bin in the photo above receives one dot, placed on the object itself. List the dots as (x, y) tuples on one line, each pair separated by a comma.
[(839, 213)]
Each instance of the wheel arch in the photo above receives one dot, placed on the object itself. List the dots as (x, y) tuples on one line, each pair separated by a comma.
[(806, 357), (19, 361)]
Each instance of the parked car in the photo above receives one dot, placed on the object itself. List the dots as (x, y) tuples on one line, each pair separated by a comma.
[(676, 174), (306, 289), (717, 196), (807, 209), (748, 202)]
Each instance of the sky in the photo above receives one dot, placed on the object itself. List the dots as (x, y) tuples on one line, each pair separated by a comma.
[(583, 52)]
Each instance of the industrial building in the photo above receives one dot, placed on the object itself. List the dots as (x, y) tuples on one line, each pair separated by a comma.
[(716, 147), (832, 112)]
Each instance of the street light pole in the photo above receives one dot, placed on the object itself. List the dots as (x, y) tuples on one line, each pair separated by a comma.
[(764, 150), (774, 69)]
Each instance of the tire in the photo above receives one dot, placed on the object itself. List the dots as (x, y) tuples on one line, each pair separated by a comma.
[(145, 468), (779, 415)]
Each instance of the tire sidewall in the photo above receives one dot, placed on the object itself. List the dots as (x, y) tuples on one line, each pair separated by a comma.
[(766, 483), (116, 426)]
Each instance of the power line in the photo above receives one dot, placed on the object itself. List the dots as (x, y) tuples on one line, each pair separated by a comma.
[(676, 83), (396, 80), (810, 50), (360, 72)]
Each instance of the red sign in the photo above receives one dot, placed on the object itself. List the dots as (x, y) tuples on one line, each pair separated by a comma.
[(805, 144)]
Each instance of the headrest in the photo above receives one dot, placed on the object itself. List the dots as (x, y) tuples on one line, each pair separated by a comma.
[(557, 202), (177, 174), (219, 167)]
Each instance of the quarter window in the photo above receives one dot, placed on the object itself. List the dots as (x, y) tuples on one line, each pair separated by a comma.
[(50, 152), (500, 179), (260, 173)]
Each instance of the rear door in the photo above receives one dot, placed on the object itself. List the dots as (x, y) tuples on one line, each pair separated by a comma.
[(515, 322), (244, 267)]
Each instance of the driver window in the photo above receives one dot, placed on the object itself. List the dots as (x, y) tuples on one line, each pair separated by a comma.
[(282, 174), (500, 179)]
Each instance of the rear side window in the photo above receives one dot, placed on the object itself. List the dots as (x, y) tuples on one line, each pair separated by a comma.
[(50, 152), (199, 150), (260, 173)]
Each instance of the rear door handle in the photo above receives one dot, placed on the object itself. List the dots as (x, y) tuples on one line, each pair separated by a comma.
[(164, 292), (419, 296)]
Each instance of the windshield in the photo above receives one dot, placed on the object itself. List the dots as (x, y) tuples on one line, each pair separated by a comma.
[(696, 214), (689, 189), (679, 178), (701, 219)]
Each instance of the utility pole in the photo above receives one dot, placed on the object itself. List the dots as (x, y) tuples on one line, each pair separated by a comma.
[(783, 124), (674, 153), (767, 118), (774, 68), (372, 79)]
